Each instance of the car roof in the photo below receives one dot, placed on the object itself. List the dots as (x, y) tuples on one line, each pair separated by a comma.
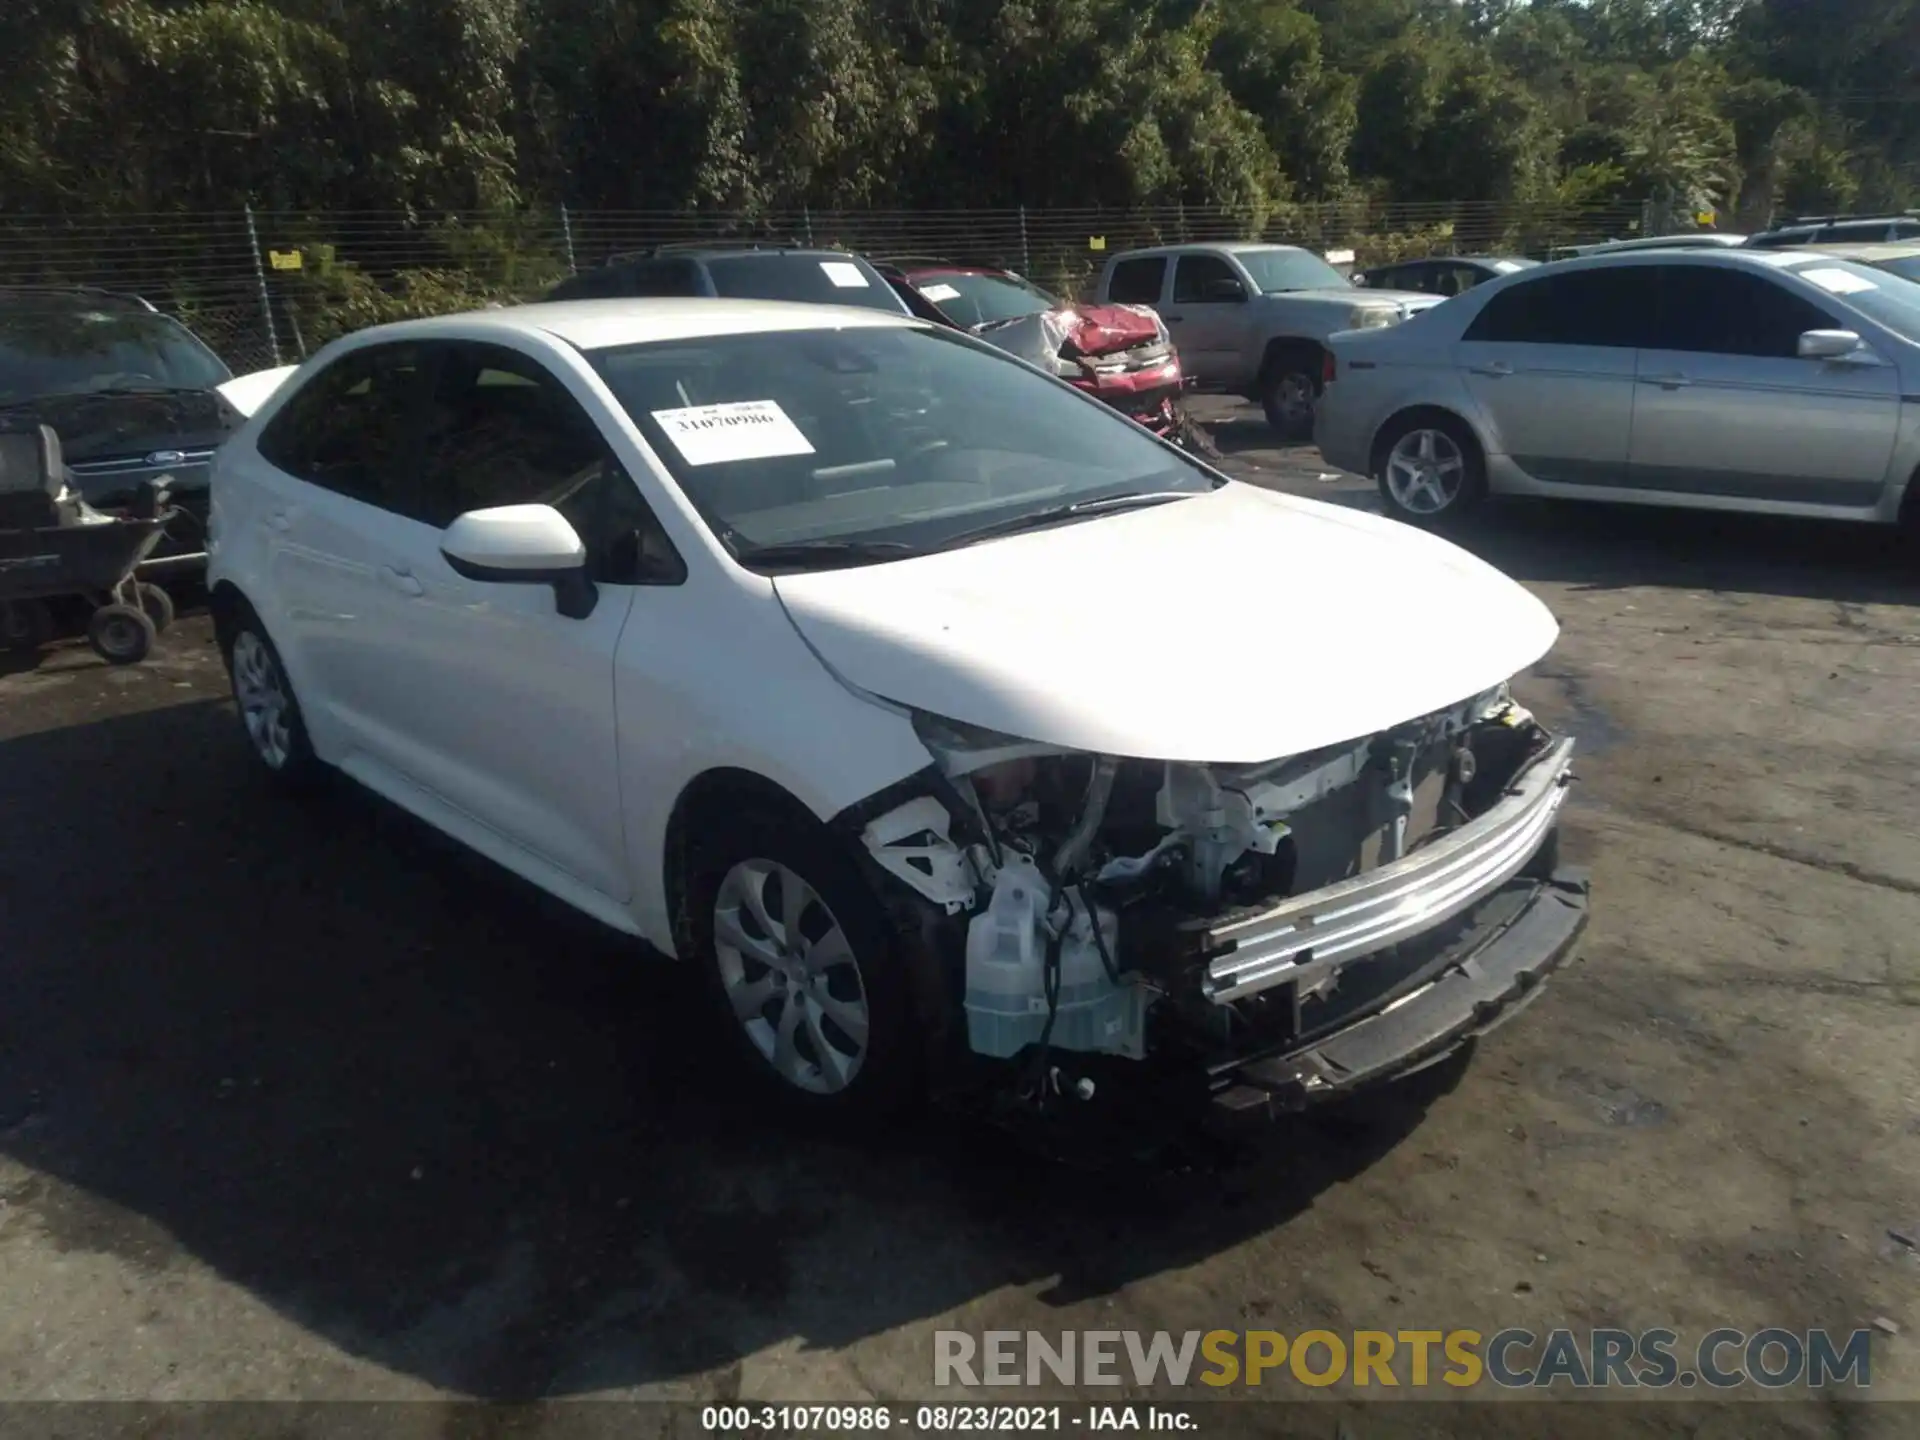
[(1690, 240), (723, 249), (1870, 249), (1227, 247), (941, 267), (71, 297), (600, 324), (1735, 257), (1453, 259)]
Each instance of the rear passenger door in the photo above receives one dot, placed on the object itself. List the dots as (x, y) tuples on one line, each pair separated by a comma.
[(1550, 361), (339, 460), (1727, 407)]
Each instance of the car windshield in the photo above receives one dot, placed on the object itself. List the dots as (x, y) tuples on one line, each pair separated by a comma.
[(1878, 294), (1276, 271), (914, 437), (1907, 267), (813, 279), (46, 351), (982, 299)]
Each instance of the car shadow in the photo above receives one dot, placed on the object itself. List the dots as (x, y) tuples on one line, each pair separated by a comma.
[(448, 1125), (1610, 547)]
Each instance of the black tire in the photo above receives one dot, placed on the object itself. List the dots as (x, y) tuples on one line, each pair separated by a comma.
[(25, 625), (121, 635), (1471, 490), (158, 605), (889, 1077), (282, 750), (1287, 395)]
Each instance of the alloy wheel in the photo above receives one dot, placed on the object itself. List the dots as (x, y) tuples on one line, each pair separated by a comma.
[(790, 976), (1424, 471), (265, 703)]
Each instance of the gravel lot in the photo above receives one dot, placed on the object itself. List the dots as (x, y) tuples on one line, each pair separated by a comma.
[(305, 1103)]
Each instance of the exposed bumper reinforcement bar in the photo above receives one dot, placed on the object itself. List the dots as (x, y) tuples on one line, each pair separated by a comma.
[(1301, 939), (1491, 973)]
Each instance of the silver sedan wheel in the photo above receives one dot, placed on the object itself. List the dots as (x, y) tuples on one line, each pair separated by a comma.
[(790, 975), (1425, 471), (265, 704)]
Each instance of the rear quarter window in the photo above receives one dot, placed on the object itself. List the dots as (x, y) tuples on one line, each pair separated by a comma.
[(1138, 281)]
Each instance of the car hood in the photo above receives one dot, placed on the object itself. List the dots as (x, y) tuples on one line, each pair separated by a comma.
[(1236, 626), (247, 393), (1361, 295), (94, 426)]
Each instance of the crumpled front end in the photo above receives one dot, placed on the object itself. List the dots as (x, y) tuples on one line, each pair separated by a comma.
[(1274, 934), (1122, 354)]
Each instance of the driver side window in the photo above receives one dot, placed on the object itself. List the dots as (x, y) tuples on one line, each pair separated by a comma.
[(499, 429)]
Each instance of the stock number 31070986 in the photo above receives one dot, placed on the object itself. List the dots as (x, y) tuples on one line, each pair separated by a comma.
[(844, 1418)]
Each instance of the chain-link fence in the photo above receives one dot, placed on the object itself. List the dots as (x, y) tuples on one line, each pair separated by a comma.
[(267, 288)]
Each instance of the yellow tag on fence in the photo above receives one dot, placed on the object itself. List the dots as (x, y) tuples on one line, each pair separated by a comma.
[(1096, 242), (284, 259)]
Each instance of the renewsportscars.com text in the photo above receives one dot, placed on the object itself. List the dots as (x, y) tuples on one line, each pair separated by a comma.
[(1510, 1358)]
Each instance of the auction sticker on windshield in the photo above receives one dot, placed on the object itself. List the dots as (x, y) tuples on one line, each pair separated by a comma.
[(1840, 282), (937, 293), (847, 277), (739, 430)]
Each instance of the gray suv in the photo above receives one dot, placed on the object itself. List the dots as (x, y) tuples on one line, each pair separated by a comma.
[(1780, 382), (1253, 320)]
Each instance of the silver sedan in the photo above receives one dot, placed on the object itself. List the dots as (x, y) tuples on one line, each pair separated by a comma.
[(1786, 382)]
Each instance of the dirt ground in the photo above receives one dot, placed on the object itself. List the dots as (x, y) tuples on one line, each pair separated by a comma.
[(303, 1103)]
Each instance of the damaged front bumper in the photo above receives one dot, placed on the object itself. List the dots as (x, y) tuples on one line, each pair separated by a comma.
[(1467, 979), (1398, 967), (1307, 937)]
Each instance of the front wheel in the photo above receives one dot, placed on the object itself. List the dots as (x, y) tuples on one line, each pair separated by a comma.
[(120, 634), (806, 981), (1430, 470)]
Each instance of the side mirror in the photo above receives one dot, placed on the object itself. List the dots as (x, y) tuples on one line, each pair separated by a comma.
[(523, 545), (1829, 345), (1229, 291)]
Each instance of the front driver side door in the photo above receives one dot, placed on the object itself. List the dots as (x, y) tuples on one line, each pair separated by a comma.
[(1727, 407), (502, 709), (1207, 331)]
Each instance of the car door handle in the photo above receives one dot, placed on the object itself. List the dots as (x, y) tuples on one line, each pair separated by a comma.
[(1666, 382), (400, 580), (278, 521), (1495, 368), (1176, 317)]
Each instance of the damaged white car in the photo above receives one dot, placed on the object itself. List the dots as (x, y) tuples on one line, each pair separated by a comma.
[(965, 735)]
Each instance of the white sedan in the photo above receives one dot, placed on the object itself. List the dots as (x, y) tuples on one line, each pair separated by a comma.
[(961, 731)]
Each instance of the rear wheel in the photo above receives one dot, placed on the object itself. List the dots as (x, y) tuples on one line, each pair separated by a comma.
[(806, 981), (268, 710), (1288, 398), (121, 635), (25, 625), (1430, 469)]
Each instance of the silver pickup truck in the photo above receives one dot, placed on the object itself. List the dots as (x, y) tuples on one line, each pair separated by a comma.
[(1252, 319)]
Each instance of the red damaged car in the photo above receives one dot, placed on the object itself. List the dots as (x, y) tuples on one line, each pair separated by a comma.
[(1121, 354)]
